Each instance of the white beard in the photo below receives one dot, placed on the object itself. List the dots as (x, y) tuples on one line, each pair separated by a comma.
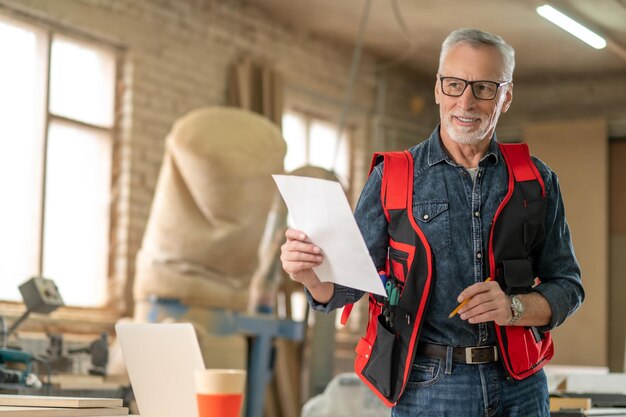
[(465, 136)]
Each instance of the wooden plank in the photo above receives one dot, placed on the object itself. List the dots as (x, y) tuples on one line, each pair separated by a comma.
[(60, 378), (100, 386), (565, 403), (86, 382), (8, 411), (67, 402)]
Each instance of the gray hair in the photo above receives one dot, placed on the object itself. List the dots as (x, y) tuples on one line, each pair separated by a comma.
[(475, 37)]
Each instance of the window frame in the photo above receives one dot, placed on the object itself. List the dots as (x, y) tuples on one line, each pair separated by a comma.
[(309, 118), (71, 319)]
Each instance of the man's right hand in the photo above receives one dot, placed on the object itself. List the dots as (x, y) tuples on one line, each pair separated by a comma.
[(298, 257)]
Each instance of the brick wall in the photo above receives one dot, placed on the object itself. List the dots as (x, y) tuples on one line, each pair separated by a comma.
[(175, 57)]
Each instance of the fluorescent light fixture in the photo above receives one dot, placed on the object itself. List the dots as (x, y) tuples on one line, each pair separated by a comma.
[(571, 26)]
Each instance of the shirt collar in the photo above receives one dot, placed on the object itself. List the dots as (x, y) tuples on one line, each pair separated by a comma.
[(437, 154)]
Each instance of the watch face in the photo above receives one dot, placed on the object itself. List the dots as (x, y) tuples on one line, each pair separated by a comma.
[(517, 309), (518, 306)]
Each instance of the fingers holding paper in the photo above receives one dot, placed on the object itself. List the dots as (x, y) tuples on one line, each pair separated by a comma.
[(299, 256)]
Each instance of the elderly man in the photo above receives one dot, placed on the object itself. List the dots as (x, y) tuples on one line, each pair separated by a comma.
[(485, 226)]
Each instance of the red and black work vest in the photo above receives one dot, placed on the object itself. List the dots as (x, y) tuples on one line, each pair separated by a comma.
[(385, 355)]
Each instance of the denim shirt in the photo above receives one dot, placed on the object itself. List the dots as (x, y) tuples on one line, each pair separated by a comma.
[(457, 227)]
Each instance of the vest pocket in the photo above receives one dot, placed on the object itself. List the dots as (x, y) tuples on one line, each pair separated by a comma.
[(525, 354), (398, 263), (534, 230), (518, 275), (381, 367), (533, 235)]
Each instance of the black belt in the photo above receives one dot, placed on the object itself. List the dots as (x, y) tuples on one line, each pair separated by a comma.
[(469, 355)]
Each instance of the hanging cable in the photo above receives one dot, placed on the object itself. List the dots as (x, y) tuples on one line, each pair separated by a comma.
[(406, 33), (356, 57), (398, 15)]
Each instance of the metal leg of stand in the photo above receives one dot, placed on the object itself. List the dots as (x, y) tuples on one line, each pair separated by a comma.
[(259, 374), (263, 330)]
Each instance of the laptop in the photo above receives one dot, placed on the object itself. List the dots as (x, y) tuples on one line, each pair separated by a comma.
[(160, 359)]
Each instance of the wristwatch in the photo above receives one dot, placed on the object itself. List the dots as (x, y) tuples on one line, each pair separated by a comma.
[(517, 309)]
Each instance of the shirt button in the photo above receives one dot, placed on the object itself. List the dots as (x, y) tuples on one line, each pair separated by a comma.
[(479, 255), (476, 214), (425, 217)]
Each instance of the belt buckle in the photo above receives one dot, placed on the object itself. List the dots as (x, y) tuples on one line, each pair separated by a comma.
[(469, 358)]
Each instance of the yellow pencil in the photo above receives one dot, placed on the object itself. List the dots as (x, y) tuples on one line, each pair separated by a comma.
[(456, 310)]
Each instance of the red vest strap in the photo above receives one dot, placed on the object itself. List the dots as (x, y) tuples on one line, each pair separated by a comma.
[(395, 181), (517, 156), (347, 309), (393, 193)]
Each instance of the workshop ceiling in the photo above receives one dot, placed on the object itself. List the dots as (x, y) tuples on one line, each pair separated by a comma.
[(543, 50)]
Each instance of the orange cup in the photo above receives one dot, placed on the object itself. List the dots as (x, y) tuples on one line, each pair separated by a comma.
[(219, 392)]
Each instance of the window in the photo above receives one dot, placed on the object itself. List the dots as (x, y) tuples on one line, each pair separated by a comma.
[(312, 141), (57, 115)]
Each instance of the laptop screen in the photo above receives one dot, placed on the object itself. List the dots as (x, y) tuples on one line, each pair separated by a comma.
[(160, 359)]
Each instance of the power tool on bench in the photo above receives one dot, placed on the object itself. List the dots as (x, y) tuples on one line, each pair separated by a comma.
[(15, 366), (40, 295)]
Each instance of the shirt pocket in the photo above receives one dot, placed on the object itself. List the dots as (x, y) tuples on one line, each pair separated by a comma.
[(433, 218)]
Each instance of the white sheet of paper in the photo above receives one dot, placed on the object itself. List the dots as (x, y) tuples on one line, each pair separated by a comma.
[(320, 209)]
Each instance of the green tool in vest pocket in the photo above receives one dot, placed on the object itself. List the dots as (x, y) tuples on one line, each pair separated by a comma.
[(393, 294)]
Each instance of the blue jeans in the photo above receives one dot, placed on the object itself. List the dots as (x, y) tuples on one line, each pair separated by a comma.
[(438, 388)]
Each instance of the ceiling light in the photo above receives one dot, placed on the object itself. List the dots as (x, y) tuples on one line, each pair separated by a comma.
[(571, 26)]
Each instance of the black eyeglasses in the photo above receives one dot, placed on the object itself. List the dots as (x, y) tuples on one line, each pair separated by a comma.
[(482, 90)]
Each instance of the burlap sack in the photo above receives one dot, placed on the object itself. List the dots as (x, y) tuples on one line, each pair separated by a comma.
[(210, 208)]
